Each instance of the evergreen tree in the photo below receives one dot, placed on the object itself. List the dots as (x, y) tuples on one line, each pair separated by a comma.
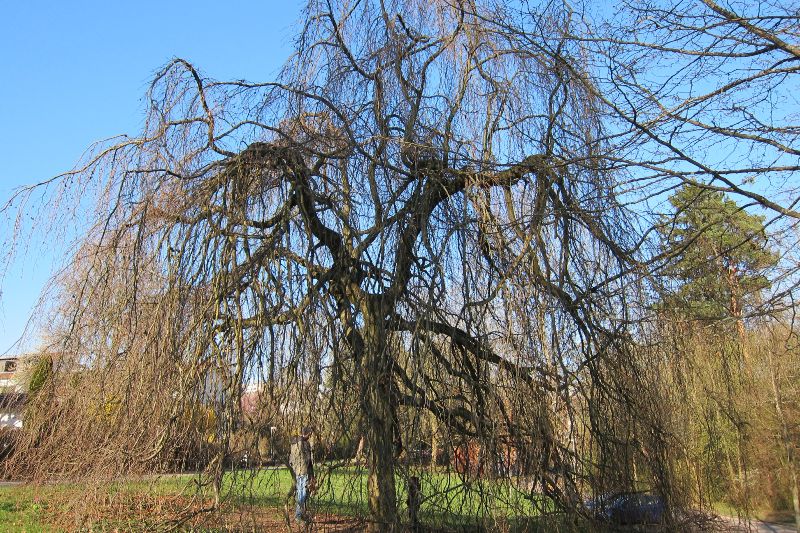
[(718, 256)]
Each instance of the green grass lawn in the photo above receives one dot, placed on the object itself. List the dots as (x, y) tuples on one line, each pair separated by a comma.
[(448, 501), (446, 498), (21, 510)]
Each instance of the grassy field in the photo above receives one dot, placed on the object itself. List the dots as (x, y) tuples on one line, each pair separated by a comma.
[(21, 510), (448, 501)]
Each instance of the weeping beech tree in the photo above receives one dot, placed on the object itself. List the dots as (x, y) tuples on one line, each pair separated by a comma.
[(416, 212)]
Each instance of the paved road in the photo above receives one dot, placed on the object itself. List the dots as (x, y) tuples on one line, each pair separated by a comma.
[(757, 526)]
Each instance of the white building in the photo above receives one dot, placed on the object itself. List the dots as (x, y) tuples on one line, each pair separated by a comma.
[(13, 391)]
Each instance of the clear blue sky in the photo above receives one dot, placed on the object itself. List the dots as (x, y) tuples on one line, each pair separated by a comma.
[(75, 72)]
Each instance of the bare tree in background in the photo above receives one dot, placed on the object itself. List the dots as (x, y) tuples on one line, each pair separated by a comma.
[(705, 94)]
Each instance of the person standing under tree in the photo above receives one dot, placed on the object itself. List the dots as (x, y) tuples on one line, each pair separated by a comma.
[(301, 462)]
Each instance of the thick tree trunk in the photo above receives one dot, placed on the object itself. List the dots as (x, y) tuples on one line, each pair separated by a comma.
[(379, 417)]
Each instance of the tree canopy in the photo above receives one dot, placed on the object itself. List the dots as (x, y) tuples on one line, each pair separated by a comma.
[(438, 208)]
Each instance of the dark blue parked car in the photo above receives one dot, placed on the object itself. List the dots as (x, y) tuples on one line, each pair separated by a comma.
[(628, 508)]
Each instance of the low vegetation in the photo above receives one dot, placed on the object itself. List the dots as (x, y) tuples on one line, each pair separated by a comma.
[(449, 503)]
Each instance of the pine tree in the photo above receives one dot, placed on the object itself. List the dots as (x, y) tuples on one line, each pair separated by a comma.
[(719, 255)]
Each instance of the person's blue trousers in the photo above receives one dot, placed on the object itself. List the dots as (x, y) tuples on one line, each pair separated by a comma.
[(301, 496)]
